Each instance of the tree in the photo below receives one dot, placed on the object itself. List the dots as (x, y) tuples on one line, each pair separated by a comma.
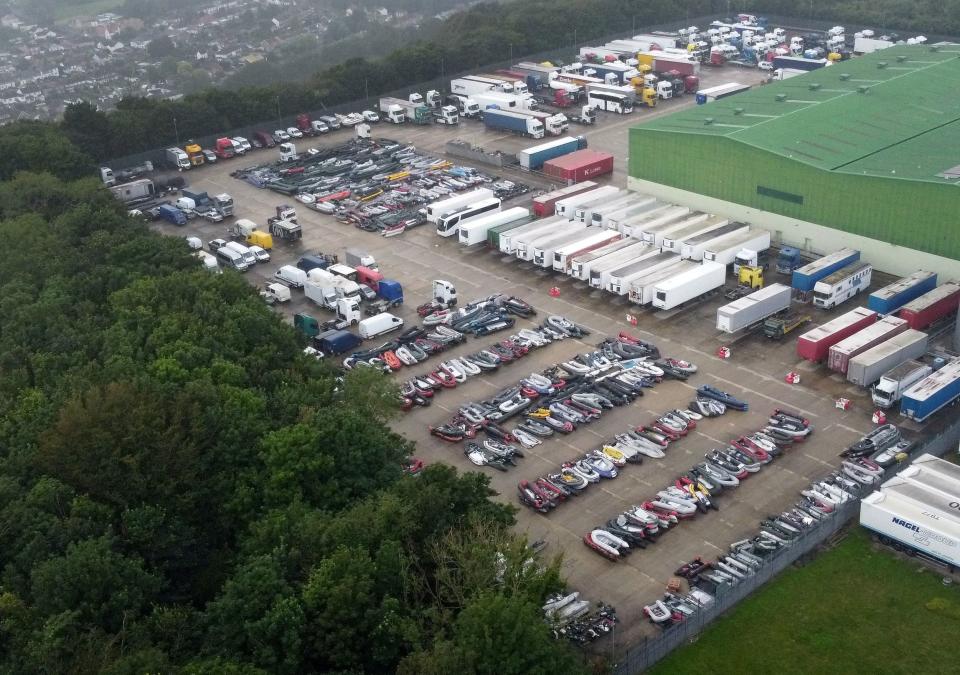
[(88, 129), (162, 47)]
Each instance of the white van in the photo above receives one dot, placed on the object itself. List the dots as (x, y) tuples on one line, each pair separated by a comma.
[(208, 261), (244, 143), (379, 324), (291, 276), (245, 252), (231, 258)]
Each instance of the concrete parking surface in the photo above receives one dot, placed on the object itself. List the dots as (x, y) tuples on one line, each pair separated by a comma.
[(755, 372)]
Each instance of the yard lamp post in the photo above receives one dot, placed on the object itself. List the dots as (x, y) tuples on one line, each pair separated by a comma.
[(278, 112), (176, 132)]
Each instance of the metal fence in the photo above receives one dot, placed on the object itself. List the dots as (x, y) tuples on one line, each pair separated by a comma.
[(644, 654)]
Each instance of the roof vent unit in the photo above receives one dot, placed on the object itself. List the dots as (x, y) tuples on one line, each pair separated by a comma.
[(901, 58), (881, 65), (708, 121), (934, 48), (738, 111), (781, 98), (814, 86), (844, 76), (863, 89)]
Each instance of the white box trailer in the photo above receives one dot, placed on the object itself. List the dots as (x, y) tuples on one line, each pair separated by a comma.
[(475, 231), (674, 240), (563, 255), (620, 279), (580, 265), (509, 239), (450, 204), (524, 244), (596, 214), (641, 288), (582, 211), (753, 308), (634, 225), (599, 274), (671, 221), (725, 250), (564, 206), (618, 219), (541, 250), (692, 284), (694, 247)]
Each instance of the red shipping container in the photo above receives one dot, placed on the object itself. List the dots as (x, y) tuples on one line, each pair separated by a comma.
[(579, 165), (931, 306), (814, 345), (840, 354), (544, 204)]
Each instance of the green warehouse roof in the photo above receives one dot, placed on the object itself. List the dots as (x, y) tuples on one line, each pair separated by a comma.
[(894, 113)]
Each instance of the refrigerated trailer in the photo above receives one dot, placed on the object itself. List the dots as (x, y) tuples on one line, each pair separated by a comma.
[(691, 284), (527, 246), (673, 241), (868, 366), (583, 212), (580, 265), (475, 231), (839, 355), (544, 204), (694, 247), (599, 275), (563, 255), (932, 393), (595, 214), (619, 219), (563, 206), (724, 251), (754, 308), (634, 225), (541, 251), (671, 221), (618, 280), (510, 239), (642, 287), (892, 297)]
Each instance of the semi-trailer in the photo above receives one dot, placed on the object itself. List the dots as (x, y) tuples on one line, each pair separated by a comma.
[(840, 353), (674, 240), (842, 285), (532, 159), (806, 277), (451, 204), (642, 287), (897, 380), (515, 122), (932, 393), (595, 214), (579, 165), (599, 273), (510, 239), (693, 247), (689, 285), (525, 245), (932, 306), (725, 250), (493, 234), (580, 265), (583, 213), (655, 231), (633, 225), (475, 231), (618, 219), (541, 251), (799, 63), (563, 255), (720, 91), (617, 280), (754, 308), (567, 206), (868, 366), (543, 205), (892, 297), (814, 345)]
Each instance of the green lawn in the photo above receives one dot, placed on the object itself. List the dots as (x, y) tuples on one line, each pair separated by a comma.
[(853, 610)]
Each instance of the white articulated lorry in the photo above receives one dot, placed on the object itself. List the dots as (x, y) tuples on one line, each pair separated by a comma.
[(692, 284)]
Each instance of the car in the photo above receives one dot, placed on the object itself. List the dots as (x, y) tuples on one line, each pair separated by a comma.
[(281, 136), (765, 65), (216, 244), (367, 293), (293, 132), (259, 253), (210, 156), (320, 127), (212, 215), (370, 116)]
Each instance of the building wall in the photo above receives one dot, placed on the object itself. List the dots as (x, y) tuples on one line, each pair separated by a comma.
[(912, 214), (810, 237)]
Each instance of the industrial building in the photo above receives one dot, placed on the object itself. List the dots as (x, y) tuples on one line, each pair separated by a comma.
[(864, 153)]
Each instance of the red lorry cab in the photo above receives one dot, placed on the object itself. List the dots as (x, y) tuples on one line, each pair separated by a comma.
[(223, 148), (371, 278)]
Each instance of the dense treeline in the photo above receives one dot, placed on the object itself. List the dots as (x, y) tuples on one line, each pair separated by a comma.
[(182, 490)]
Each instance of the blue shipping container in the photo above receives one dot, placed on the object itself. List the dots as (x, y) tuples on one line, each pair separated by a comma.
[(891, 298), (932, 393), (806, 277), (533, 158)]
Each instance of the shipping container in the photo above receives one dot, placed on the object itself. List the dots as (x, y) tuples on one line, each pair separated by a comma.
[(566, 206), (543, 205), (753, 308), (642, 287), (894, 296), (725, 251), (509, 239), (674, 240), (932, 393), (579, 265), (689, 285), (839, 354), (932, 306), (806, 277), (579, 165), (618, 280), (563, 255), (475, 231), (669, 223), (814, 345), (867, 367), (693, 247), (533, 158)]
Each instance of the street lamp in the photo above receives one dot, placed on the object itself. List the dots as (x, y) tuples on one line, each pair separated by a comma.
[(511, 53), (176, 132), (278, 112)]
